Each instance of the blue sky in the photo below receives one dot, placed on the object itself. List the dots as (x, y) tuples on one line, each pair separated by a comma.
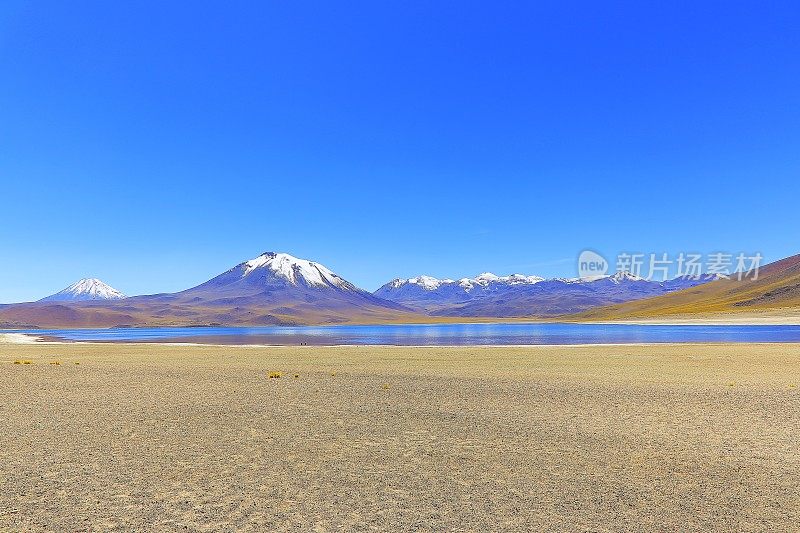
[(154, 146)]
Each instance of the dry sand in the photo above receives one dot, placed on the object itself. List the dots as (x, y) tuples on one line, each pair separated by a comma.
[(148, 437)]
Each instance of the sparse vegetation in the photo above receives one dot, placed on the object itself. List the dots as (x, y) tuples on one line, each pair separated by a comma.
[(275, 375), (472, 409)]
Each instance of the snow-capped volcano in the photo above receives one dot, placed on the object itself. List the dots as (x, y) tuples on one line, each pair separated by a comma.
[(284, 285), (85, 289), (295, 270), (271, 271)]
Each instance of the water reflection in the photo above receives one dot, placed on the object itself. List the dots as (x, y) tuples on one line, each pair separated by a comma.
[(438, 334)]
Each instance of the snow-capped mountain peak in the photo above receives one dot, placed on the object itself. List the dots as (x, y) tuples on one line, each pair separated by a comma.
[(428, 283), (624, 275), (86, 289), (522, 279), (482, 281), (487, 277), (294, 270), (519, 295)]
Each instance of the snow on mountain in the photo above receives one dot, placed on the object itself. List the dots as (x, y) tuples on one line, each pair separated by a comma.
[(490, 280), (271, 289), (274, 276), (429, 283), (294, 270), (273, 271), (427, 292), (85, 289), (619, 277), (487, 278), (278, 288), (519, 295)]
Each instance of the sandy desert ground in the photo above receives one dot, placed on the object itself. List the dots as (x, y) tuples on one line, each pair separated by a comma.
[(149, 437)]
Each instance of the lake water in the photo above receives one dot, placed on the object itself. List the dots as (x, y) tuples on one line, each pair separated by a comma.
[(436, 334)]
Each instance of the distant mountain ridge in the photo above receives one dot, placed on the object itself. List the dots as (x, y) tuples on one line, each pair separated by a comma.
[(522, 295), (271, 289), (280, 289)]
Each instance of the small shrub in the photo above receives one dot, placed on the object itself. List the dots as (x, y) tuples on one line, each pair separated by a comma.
[(56, 363), (275, 375), (296, 376), (386, 386)]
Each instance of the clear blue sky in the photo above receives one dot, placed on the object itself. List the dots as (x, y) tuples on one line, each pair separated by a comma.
[(155, 145)]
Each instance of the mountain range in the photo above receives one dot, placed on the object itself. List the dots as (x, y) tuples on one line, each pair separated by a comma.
[(271, 289), (279, 289), (488, 295)]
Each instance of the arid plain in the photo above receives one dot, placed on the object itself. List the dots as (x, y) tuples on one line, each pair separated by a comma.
[(153, 437)]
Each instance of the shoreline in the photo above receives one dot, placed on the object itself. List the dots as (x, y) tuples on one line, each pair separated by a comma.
[(749, 319), (129, 343)]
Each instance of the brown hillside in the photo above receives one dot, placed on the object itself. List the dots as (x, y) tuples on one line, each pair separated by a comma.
[(777, 287)]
